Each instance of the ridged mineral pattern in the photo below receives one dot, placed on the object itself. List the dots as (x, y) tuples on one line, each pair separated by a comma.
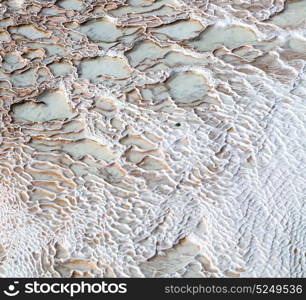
[(152, 138)]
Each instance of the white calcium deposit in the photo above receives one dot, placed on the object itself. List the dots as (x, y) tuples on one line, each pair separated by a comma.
[(152, 138)]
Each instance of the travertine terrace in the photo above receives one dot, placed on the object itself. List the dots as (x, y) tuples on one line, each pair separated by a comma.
[(152, 138)]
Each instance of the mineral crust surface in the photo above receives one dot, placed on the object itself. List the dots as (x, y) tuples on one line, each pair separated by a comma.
[(152, 138)]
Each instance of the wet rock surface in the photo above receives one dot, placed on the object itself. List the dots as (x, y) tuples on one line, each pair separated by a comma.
[(152, 138)]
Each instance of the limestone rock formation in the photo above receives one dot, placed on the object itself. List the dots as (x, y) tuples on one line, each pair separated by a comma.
[(152, 138)]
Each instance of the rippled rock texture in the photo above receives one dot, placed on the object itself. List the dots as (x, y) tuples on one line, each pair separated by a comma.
[(152, 138)]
